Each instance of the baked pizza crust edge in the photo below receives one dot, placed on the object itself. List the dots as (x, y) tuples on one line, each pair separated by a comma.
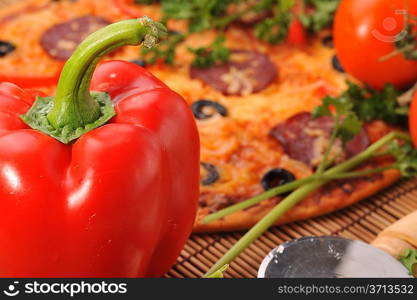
[(243, 220)]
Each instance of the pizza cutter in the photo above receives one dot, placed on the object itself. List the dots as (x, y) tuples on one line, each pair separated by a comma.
[(330, 257), (336, 257)]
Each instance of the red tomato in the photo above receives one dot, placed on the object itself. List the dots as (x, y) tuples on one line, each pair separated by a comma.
[(413, 120), (365, 32)]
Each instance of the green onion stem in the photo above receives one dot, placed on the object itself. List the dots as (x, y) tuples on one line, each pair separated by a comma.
[(285, 188), (324, 162), (356, 174), (288, 188)]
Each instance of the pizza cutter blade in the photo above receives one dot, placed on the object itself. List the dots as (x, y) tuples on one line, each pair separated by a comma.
[(329, 257)]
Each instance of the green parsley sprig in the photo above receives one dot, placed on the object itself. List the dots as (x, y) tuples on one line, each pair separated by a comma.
[(208, 56), (409, 260), (274, 30), (322, 15)]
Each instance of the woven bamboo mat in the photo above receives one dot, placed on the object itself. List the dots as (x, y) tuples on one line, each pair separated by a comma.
[(362, 221)]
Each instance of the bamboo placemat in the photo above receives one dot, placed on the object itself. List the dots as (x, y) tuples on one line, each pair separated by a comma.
[(362, 221)]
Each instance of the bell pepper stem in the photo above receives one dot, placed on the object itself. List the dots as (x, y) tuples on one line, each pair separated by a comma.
[(75, 110), (73, 103), (295, 197)]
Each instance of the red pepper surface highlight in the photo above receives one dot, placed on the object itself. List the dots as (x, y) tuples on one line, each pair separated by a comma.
[(94, 191)]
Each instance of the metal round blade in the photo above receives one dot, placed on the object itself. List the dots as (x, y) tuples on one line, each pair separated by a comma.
[(330, 257)]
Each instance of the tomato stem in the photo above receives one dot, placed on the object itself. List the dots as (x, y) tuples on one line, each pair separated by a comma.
[(397, 52)]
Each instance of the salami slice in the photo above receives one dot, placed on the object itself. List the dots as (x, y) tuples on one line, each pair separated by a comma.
[(60, 40), (306, 139), (245, 73)]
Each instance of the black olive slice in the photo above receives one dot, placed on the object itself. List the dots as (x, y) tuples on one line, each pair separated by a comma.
[(337, 65), (211, 176), (139, 62), (327, 41), (205, 109), (6, 48), (276, 177)]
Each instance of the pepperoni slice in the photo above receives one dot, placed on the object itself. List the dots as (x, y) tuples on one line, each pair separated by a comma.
[(61, 40), (245, 73), (306, 139)]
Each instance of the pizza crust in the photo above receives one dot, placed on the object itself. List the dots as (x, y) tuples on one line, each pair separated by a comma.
[(306, 209)]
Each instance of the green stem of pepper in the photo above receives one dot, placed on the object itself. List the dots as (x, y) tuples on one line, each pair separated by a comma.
[(73, 103), (74, 110), (298, 195), (288, 187)]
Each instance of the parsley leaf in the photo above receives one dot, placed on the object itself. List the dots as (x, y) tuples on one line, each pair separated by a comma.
[(409, 260), (208, 56), (382, 105), (367, 104), (274, 30), (406, 158), (349, 127), (347, 123), (201, 14), (322, 15)]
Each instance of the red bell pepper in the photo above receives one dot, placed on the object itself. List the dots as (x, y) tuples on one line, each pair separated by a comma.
[(93, 187)]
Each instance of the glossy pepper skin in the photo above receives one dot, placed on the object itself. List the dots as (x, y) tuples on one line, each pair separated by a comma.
[(119, 201)]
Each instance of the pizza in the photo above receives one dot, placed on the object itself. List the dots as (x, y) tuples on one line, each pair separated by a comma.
[(253, 111)]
